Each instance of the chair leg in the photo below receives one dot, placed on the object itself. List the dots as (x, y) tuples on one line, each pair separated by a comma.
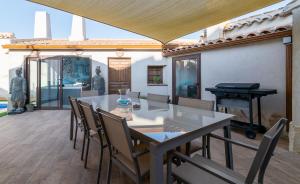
[(83, 146), (204, 147), (75, 136), (71, 125), (87, 152), (100, 164), (208, 147), (109, 171)]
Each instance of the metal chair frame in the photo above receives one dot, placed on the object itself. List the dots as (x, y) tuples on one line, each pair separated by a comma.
[(78, 117), (259, 164), (133, 94), (136, 177), (155, 97), (85, 106), (197, 103)]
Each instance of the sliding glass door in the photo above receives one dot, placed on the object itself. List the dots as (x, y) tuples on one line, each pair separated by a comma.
[(76, 72), (52, 79), (186, 77)]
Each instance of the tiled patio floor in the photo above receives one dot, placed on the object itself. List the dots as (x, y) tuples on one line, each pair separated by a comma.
[(35, 148)]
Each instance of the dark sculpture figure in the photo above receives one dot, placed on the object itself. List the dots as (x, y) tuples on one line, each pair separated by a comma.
[(17, 89), (98, 82)]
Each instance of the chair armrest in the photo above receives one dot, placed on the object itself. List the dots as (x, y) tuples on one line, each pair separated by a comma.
[(211, 170), (255, 148), (139, 153)]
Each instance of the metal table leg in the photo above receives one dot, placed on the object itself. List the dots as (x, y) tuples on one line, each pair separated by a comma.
[(261, 128), (228, 148), (156, 164), (250, 133)]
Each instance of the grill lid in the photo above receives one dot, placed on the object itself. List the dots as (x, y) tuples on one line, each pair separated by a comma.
[(238, 85)]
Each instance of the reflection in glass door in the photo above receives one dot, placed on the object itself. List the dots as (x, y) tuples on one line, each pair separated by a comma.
[(186, 77), (76, 73), (50, 83)]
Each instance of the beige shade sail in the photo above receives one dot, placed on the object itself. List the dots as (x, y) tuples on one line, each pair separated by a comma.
[(162, 20)]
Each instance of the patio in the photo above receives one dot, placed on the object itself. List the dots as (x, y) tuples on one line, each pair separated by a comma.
[(141, 103), (36, 149)]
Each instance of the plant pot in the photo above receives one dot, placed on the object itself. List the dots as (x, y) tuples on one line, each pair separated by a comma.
[(29, 107)]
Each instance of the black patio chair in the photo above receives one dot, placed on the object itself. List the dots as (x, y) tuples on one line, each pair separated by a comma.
[(196, 145), (199, 169), (132, 160), (158, 98), (94, 132), (79, 123), (133, 94)]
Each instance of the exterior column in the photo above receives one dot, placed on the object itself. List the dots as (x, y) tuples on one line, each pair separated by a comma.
[(294, 131)]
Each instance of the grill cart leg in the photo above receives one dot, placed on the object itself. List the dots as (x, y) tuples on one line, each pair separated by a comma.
[(261, 128), (250, 133)]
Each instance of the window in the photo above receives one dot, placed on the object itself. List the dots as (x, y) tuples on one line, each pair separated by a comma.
[(155, 75)]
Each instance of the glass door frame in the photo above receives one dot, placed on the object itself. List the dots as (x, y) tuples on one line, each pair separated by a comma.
[(38, 92), (60, 87), (28, 60), (60, 78), (196, 57)]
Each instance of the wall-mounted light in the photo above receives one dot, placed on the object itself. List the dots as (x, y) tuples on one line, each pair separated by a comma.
[(287, 40), (119, 53), (79, 52), (34, 53)]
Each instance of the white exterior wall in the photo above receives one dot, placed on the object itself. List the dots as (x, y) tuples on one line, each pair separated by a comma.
[(8, 64), (262, 63), (294, 133), (139, 62)]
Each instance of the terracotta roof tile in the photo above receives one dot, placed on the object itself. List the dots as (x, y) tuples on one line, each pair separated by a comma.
[(268, 16), (229, 39)]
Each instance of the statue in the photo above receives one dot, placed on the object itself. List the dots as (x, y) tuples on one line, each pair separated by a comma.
[(17, 89), (98, 82)]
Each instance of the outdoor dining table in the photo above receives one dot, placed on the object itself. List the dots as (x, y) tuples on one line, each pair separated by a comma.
[(165, 126)]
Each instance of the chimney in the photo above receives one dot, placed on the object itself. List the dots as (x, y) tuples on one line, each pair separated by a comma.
[(78, 29), (203, 36), (42, 27)]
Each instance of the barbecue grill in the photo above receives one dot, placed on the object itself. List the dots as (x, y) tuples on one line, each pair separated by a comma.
[(241, 95)]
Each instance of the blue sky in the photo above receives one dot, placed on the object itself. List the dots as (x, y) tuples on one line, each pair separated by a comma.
[(17, 16)]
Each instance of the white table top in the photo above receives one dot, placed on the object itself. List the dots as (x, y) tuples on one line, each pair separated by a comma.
[(158, 121)]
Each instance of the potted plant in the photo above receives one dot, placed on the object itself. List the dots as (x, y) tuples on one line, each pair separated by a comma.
[(156, 79), (29, 107)]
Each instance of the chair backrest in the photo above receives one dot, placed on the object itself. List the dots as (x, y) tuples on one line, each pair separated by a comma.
[(133, 94), (74, 107), (196, 103), (117, 133), (158, 98), (89, 93), (265, 151), (89, 116)]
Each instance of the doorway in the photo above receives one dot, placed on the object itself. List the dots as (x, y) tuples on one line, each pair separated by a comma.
[(186, 77), (119, 74), (52, 79)]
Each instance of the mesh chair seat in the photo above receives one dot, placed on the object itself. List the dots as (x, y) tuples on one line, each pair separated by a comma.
[(192, 174)]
